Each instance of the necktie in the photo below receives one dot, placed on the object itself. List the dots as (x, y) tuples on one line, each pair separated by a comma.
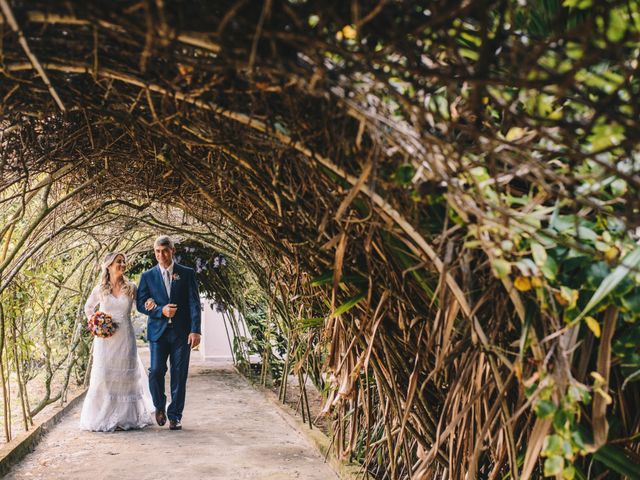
[(167, 282)]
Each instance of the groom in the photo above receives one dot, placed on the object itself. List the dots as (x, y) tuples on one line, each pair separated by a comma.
[(170, 291)]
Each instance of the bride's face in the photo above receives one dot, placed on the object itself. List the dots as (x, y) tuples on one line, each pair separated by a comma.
[(117, 267)]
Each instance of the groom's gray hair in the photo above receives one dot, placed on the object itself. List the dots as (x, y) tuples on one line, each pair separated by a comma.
[(164, 241)]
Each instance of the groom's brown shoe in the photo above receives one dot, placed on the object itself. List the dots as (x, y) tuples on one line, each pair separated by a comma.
[(161, 418), (175, 425)]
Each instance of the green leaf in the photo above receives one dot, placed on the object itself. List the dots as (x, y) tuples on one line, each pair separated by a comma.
[(312, 322), (545, 408), (404, 174), (539, 254), (630, 262), (349, 304), (501, 267), (579, 394), (552, 446), (550, 268), (515, 133), (470, 54), (560, 420), (576, 436), (322, 279), (326, 278), (470, 38), (618, 187), (631, 301), (596, 273), (569, 473), (530, 390), (553, 466), (579, 4), (616, 225), (617, 24), (567, 450), (585, 233), (614, 458), (606, 135), (527, 267), (569, 295), (480, 174), (564, 224)]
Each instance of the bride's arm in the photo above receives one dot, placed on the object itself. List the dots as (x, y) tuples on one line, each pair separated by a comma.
[(92, 302), (149, 305), (142, 295)]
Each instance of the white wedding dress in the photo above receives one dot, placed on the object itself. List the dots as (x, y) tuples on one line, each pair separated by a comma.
[(118, 395)]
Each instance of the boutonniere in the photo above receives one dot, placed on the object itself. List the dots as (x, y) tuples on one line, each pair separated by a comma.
[(175, 277)]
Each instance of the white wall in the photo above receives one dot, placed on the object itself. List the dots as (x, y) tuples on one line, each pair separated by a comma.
[(215, 343)]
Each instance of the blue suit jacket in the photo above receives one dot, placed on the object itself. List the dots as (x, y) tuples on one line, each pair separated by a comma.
[(184, 293)]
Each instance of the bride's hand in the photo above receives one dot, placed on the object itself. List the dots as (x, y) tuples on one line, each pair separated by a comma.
[(150, 304)]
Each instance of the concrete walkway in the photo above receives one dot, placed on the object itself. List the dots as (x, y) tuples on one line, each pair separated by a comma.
[(230, 431)]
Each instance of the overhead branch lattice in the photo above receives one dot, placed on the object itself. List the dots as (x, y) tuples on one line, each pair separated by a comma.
[(435, 179)]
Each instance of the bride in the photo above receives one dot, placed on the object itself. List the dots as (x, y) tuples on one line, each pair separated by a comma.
[(118, 396)]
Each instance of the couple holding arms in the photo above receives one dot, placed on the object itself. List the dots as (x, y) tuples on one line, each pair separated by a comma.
[(120, 395)]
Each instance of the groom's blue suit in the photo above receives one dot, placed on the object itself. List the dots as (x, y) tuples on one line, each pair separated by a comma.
[(168, 340)]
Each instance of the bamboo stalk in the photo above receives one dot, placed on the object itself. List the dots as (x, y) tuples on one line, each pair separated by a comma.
[(16, 360), (600, 401), (189, 38), (282, 391), (6, 400), (8, 13), (9, 416), (226, 331)]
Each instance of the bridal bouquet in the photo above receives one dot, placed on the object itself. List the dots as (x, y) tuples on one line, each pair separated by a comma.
[(101, 325)]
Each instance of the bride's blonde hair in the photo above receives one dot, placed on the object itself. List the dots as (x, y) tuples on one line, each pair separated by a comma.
[(128, 287)]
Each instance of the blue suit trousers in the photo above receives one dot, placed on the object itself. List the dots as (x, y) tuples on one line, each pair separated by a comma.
[(172, 345)]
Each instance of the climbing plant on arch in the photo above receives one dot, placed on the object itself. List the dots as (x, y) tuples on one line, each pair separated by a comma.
[(440, 200)]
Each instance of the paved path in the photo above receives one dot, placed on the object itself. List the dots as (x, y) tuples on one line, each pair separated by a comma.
[(230, 431)]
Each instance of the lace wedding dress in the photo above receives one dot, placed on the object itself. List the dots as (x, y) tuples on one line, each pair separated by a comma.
[(118, 393)]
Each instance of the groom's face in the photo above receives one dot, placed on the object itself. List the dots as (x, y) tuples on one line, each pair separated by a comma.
[(164, 255)]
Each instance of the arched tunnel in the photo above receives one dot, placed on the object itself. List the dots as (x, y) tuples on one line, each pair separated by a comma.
[(426, 196)]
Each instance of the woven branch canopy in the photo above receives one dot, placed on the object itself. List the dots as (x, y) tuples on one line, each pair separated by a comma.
[(420, 147)]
